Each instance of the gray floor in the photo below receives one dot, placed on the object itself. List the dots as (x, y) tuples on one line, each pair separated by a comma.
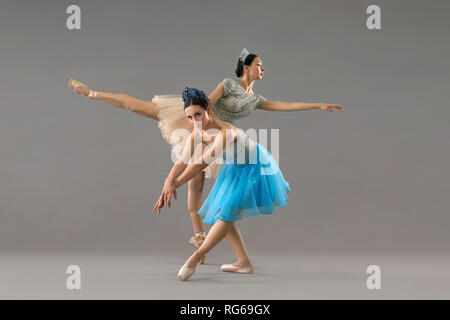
[(284, 276)]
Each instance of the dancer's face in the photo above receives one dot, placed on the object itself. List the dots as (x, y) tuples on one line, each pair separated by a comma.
[(256, 69), (196, 115)]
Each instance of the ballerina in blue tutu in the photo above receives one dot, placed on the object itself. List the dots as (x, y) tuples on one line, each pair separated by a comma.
[(249, 181)]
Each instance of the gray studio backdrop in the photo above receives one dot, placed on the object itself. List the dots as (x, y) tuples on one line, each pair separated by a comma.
[(78, 175)]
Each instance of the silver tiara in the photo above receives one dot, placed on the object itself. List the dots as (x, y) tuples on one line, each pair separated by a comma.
[(243, 55)]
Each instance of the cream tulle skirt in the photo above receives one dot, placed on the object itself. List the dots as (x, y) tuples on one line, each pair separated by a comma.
[(172, 116)]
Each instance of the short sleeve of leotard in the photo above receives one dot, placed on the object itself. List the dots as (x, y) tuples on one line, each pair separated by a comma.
[(260, 99), (227, 84)]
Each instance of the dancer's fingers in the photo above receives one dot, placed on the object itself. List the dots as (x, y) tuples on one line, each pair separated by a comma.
[(338, 106), (156, 206), (163, 197), (159, 203), (167, 198), (160, 207), (175, 194)]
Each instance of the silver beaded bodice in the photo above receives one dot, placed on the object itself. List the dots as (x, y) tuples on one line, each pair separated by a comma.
[(236, 102)]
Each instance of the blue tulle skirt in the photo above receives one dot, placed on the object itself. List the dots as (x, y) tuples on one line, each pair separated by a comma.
[(243, 190)]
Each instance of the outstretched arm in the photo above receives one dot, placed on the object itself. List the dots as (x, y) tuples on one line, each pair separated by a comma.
[(271, 105)]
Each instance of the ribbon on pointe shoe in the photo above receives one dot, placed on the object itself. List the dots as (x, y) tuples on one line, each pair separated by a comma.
[(194, 239), (196, 243), (92, 94)]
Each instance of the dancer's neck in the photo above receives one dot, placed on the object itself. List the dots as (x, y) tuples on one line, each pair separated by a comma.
[(208, 125), (247, 84)]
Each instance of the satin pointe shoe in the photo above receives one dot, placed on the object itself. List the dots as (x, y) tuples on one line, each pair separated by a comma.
[(197, 241), (185, 272), (233, 268), (81, 89)]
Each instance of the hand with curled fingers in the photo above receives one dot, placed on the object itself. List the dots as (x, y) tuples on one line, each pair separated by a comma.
[(166, 195), (329, 107)]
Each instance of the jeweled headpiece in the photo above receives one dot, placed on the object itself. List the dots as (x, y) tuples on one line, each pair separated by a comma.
[(243, 55), (191, 93)]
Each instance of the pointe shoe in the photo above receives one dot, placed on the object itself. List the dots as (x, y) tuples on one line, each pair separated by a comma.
[(81, 89), (185, 272), (197, 241), (233, 268)]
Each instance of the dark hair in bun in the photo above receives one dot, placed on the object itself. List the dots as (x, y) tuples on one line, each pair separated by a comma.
[(193, 96), (240, 66)]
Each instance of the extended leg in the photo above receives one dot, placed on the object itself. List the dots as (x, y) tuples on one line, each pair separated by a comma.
[(142, 107)]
